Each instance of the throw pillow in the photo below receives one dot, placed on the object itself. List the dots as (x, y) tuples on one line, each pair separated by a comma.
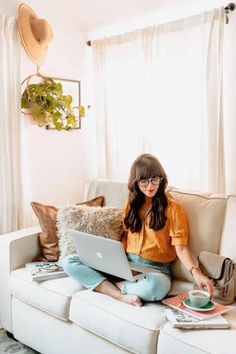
[(106, 222), (47, 217)]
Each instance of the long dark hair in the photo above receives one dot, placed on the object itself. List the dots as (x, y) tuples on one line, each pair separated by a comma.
[(144, 167)]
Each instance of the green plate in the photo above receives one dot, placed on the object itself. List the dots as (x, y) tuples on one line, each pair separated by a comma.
[(208, 307)]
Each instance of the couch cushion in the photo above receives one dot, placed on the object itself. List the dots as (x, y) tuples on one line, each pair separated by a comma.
[(52, 296), (212, 341), (180, 286), (206, 214), (115, 193), (133, 328)]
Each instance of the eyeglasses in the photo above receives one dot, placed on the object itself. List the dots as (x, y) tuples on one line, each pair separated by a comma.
[(154, 181)]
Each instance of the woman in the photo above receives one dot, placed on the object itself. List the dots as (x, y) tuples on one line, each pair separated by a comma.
[(155, 232)]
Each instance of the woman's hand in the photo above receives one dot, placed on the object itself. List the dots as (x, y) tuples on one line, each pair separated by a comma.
[(187, 259), (203, 282)]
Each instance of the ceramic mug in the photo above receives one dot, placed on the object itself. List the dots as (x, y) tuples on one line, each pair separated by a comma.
[(199, 298)]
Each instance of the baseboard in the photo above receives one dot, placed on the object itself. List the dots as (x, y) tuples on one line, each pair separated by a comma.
[(10, 335)]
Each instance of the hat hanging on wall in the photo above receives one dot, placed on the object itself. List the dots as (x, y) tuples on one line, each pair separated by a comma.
[(35, 33)]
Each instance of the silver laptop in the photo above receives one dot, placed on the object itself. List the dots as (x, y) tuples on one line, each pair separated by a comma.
[(106, 255)]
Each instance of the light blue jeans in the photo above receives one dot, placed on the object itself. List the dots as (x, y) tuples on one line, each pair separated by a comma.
[(151, 286)]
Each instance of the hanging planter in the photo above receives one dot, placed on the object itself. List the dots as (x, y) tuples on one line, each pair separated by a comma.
[(28, 114), (45, 104)]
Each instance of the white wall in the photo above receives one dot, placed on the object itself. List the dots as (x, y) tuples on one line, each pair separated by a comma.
[(163, 11), (8, 7), (57, 163)]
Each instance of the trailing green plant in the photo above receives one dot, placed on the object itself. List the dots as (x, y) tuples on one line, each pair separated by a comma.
[(48, 106)]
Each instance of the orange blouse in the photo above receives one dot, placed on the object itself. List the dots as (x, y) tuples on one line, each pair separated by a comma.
[(158, 246)]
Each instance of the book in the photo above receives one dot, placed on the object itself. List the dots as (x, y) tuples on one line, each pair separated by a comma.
[(176, 302), (180, 319), (41, 271)]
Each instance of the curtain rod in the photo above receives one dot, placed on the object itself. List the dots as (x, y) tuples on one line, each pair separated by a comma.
[(229, 8)]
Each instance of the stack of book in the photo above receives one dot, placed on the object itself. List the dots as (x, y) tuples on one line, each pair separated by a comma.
[(41, 271), (181, 316)]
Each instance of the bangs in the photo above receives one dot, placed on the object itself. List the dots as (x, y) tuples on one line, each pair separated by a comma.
[(148, 170)]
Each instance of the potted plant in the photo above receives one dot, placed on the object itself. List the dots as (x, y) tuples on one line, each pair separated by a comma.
[(48, 106)]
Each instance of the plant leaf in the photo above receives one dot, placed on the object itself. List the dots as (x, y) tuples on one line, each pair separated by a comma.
[(24, 103), (50, 106), (81, 111)]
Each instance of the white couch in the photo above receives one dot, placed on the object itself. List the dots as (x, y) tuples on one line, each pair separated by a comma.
[(60, 316)]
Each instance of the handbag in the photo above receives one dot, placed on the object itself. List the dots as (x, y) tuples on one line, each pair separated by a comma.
[(221, 270)]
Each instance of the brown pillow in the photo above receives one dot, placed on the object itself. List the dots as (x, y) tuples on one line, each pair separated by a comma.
[(47, 217)]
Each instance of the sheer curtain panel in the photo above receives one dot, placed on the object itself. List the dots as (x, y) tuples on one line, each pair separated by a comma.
[(10, 182), (159, 90)]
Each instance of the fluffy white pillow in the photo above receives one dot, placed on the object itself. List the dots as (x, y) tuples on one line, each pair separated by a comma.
[(106, 222)]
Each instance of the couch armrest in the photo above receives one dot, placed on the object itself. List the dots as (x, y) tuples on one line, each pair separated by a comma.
[(16, 249)]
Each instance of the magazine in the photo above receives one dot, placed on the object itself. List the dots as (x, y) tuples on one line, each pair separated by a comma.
[(182, 320), (176, 302), (41, 271)]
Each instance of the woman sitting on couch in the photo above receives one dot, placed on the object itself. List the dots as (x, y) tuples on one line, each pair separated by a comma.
[(155, 232)]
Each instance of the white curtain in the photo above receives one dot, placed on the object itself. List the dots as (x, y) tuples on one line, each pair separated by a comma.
[(10, 181), (159, 90)]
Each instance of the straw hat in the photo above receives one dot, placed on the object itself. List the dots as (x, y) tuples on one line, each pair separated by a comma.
[(35, 34)]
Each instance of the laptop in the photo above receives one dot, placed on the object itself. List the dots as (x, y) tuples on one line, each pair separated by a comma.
[(106, 255)]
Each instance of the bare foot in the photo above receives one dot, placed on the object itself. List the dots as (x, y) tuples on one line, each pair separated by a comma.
[(131, 299), (114, 291)]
